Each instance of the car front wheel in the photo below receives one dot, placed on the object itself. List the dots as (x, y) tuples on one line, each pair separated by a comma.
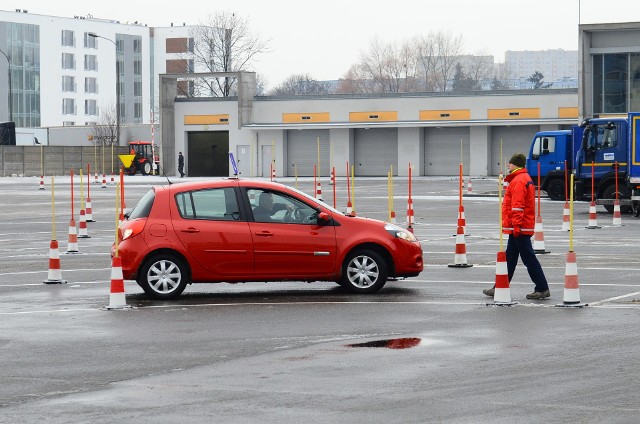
[(364, 271), (163, 276)]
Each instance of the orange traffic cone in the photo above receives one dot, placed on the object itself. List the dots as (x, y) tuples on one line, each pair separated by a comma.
[(538, 237), (89, 211), (55, 274), (117, 298), (112, 182), (104, 181), (460, 259), (333, 178), (393, 217), (273, 172), (617, 218), (82, 227), (469, 187), (566, 219), (95, 179), (593, 217), (41, 182), (571, 290), (349, 208), (319, 191), (410, 215), (502, 293), (72, 245)]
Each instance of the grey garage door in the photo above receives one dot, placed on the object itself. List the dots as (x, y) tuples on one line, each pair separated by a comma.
[(515, 139), (302, 151), (443, 150), (375, 151)]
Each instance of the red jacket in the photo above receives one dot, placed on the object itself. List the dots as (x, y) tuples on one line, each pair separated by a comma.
[(518, 206)]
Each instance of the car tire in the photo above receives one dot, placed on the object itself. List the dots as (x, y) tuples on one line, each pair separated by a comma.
[(364, 271), (163, 276)]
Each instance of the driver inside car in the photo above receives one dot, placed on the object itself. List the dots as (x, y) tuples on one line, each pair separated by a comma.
[(266, 208)]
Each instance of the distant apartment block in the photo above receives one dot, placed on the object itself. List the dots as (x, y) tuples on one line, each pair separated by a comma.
[(559, 67)]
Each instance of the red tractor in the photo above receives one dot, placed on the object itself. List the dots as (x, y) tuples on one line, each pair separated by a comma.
[(145, 158)]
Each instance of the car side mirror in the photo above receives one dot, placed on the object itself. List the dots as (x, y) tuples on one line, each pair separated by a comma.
[(323, 218)]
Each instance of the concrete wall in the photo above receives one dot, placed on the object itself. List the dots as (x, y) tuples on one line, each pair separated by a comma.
[(30, 161)]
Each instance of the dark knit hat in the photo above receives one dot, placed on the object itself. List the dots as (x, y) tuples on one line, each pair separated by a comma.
[(518, 160)]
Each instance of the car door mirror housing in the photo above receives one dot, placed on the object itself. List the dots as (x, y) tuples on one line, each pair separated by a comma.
[(323, 218)]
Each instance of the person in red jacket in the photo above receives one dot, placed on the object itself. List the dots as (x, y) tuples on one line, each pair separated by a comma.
[(518, 220)]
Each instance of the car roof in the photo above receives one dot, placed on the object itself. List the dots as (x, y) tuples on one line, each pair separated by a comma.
[(222, 182)]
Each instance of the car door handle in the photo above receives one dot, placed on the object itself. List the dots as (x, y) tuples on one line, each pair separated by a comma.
[(191, 230), (264, 234)]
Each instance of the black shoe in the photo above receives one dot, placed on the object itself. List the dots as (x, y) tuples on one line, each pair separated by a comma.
[(489, 292), (539, 295)]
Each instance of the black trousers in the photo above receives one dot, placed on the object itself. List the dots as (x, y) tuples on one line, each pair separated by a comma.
[(522, 247)]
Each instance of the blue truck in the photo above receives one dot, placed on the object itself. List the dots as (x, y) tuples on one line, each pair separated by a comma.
[(591, 151)]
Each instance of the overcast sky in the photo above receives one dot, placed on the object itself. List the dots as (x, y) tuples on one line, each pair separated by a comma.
[(324, 38)]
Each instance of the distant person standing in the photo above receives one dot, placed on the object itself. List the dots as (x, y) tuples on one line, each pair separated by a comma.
[(181, 164)]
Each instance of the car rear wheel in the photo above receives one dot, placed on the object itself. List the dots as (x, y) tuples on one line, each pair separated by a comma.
[(163, 276), (364, 271)]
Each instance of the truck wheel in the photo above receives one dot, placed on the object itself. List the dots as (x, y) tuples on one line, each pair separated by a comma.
[(145, 169), (623, 193), (555, 190)]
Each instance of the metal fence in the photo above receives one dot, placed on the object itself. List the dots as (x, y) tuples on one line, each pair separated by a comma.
[(30, 161)]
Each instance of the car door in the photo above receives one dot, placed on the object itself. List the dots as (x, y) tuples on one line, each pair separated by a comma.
[(290, 244), (212, 232)]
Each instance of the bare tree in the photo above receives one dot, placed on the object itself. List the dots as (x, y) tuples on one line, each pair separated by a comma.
[(298, 84), (105, 128), (447, 48), (223, 42)]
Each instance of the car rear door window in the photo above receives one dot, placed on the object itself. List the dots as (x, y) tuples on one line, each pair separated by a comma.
[(219, 204)]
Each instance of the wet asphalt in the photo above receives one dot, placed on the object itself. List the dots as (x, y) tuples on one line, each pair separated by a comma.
[(428, 349)]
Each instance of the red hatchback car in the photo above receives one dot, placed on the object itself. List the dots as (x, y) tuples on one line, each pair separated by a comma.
[(235, 230)]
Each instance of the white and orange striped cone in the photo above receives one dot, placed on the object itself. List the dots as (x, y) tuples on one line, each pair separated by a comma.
[(502, 291), (72, 245), (571, 296), (617, 218), (469, 187), (82, 226), (566, 218), (319, 190), (95, 178), (54, 275), (350, 208), (593, 217), (460, 259), (112, 182), (117, 299), (538, 237), (462, 222), (89, 211), (333, 178), (104, 181), (410, 215), (393, 217), (273, 173), (41, 183)]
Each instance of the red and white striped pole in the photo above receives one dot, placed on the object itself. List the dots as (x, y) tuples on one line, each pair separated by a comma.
[(72, 245), (410, 213), (617, 217), (593, 217)]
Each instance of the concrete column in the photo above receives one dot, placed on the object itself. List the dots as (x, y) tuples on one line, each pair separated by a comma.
[(410, 150)]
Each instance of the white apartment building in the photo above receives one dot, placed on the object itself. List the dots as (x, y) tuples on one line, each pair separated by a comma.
[(556, 65), (63, 76)]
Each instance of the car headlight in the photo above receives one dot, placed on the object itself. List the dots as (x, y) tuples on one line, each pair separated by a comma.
[(401, 233)]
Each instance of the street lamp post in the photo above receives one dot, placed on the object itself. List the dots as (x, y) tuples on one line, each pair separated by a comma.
[(94, 35), (10, 88)]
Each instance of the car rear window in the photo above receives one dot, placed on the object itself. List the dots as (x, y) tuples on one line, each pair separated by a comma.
[(143, 207), (214, 204)]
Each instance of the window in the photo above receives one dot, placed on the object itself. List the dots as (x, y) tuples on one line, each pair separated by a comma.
[(90, 62), (268, 206), (68, 84), (68, 106), (68, 38), (91, 85), (634, 81), (89, 42), (137, 112), (602, 137), (137, 45), (137, 67), (543, 146), (90, 107), (68, 123), (215, 204), (68, 61)]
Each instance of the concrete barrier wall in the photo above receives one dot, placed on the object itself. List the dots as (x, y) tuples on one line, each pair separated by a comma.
[(31, 161)]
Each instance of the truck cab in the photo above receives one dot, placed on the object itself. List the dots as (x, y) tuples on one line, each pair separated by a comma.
[(552, 150)]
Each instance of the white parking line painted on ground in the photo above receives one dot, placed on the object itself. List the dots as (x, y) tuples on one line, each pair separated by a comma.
[(611, 299), (44, 271)]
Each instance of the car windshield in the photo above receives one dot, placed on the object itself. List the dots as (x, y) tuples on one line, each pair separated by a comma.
[(314, 200)]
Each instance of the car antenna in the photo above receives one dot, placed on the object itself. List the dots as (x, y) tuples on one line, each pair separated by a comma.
[(165, 175)]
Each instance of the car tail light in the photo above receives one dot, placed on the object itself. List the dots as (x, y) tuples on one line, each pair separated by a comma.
[(134, 228)]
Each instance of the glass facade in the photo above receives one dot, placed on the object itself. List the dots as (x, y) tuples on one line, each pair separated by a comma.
[(23, 48), (616, 83)]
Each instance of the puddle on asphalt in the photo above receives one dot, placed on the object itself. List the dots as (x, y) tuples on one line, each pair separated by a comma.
[(403, 343)]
